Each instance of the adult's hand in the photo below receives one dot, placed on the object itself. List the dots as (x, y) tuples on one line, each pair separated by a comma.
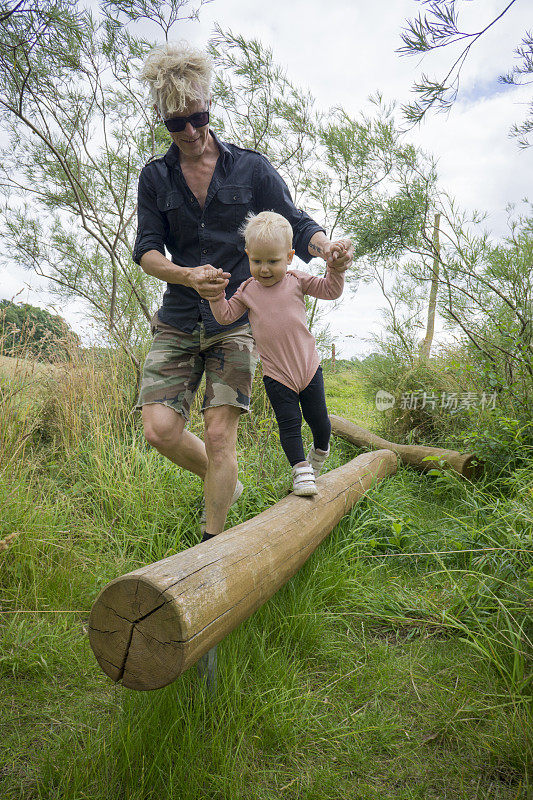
[(338, 254), (209, 281)]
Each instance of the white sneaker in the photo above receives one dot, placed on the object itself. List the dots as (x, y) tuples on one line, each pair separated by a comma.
[(239, 488), (303, 481), (317, 460)]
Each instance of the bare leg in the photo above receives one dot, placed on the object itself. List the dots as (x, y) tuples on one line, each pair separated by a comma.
[(215, 462), (165, 430), (221, 425)]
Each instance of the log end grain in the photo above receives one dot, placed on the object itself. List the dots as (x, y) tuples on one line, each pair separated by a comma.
[(472, 466), (135, 632)]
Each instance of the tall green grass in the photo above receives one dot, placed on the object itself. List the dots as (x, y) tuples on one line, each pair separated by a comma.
[(396, 664)]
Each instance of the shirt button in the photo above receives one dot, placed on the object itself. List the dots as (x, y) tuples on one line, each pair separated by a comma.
[(202, 224), (191, 199), (204, 251)]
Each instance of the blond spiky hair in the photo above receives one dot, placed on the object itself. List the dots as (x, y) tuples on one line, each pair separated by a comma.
[(177, 74), (265, 226)]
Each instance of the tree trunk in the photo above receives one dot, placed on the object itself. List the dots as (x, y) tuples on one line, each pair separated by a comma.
[(149, 626), (425, 345)]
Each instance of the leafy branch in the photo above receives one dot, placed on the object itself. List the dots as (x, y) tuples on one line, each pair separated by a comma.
[(439, 28)]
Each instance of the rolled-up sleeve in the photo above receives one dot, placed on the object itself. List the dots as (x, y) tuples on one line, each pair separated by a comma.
[(152, 225), (272, 194)]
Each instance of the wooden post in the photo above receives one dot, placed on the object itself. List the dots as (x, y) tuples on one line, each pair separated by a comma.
[(412, 455), (149, 626)]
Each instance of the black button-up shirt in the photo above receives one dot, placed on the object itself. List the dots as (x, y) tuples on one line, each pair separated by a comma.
[(170, 216)]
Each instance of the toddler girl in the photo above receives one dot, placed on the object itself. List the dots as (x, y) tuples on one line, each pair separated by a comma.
[(274, 300)]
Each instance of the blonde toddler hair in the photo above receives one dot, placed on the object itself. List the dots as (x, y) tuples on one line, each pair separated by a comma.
[(177, 74), (265, 226)]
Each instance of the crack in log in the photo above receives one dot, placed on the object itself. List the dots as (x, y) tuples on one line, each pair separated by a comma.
[(135, 621), (127, 619), (109, 608), (150, 636), (107, 661), (122, 667), (126, 651), (99, 630), (188, 574)]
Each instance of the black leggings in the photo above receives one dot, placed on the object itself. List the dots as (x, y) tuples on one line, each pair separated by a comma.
[(286, 404)]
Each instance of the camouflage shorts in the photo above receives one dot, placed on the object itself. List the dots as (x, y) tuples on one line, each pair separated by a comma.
[(176, 362)]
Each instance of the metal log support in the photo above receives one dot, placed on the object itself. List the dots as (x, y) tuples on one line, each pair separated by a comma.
[(207, 670)]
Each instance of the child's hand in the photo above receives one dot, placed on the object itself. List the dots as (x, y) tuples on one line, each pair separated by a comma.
[(212, 273), (339, 255), (337, 250)]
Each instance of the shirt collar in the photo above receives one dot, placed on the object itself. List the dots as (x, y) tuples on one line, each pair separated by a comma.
[(224, 149), (172, 156)]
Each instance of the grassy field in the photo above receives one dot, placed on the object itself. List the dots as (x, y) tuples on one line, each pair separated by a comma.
[(395, 665)]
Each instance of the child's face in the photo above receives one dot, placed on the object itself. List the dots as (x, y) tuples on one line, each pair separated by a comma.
[(269, 260)]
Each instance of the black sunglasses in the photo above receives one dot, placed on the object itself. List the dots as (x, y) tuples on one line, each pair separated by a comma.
[(197, 120)]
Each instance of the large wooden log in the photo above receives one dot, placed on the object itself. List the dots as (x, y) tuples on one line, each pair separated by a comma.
[(466, 464), (149, 626)]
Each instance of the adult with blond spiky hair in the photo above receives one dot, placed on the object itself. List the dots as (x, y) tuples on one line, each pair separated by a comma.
[(191, 202)]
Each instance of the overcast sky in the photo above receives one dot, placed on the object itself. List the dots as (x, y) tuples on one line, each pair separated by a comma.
[(343, 51)]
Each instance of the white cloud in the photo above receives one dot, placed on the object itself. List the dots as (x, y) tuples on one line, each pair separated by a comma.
[(477, 161)]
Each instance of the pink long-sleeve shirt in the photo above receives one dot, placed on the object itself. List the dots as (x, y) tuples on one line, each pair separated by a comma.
[(278, 320)]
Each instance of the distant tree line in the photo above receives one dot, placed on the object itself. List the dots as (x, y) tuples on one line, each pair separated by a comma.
[(32, 331)]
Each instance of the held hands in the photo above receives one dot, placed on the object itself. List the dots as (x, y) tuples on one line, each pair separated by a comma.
[(209, 281), (338, 255)]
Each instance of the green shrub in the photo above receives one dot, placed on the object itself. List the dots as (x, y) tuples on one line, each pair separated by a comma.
[(419, 390), (503, 442)]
